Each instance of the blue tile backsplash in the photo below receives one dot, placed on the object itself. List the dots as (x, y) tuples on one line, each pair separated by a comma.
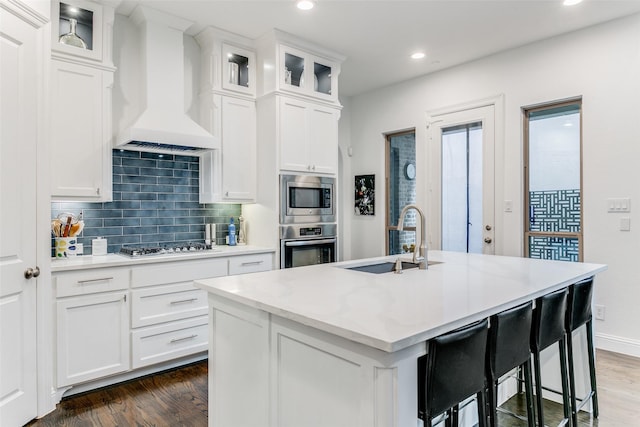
[(155, 203)]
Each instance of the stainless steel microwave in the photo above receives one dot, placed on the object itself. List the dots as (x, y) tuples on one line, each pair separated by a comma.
[(306, 199)]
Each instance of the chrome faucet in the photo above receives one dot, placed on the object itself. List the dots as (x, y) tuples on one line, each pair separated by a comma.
[(421, 258)]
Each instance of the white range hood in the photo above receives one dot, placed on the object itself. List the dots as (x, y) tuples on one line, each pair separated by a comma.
[(163, 125)]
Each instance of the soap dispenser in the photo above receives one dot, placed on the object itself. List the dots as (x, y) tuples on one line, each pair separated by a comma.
[(232, 233)]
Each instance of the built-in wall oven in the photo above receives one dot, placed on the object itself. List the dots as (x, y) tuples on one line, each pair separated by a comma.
[(307, 244), (307, 199)]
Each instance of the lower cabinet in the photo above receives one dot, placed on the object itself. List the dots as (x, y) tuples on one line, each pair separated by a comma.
[(115, 320), (168, 341), (93, 337)]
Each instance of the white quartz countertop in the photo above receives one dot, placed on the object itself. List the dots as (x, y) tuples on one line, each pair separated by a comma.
[(116, 260), (393, 311)]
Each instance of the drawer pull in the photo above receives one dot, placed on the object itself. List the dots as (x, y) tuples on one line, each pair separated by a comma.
[(252, 263), (183, 338), (182, 301), (103, 279)]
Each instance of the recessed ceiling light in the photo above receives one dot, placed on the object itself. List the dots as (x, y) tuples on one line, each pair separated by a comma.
[(417, 55), (571, 2), (305, 4)]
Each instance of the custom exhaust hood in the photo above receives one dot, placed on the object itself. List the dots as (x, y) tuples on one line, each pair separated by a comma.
[(163, 125)]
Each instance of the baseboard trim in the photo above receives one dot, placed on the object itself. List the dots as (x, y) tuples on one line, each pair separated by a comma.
[(618, 344)]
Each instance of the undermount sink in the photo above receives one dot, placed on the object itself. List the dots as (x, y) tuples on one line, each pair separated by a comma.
[(386, 267)]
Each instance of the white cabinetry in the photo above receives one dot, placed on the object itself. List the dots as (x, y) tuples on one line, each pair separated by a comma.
[(169, 315), (92, 325), (304, 73), (228, 111), (230, 174), (298, 67), (81, 84), (308, 136), (250, 264), (115, 321)]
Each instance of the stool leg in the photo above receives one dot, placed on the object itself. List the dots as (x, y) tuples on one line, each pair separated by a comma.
[(592, 368), (528, 383), (492, 403), (536, 370), (565, 380), (482, 404), (572, 379)]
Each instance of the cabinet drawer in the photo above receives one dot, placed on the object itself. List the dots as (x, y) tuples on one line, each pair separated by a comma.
[(91, 281), (169, 341), (177, 271), (160, 304), (250, 263)]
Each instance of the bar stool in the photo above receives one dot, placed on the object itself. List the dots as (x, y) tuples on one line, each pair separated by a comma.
[(578, 314), (549, 328), (451, 371), (507, 349)]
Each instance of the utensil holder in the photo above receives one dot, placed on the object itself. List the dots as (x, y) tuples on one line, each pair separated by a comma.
[(66, 247)]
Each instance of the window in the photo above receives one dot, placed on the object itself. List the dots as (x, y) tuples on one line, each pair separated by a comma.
[(401, 190), (553, 181)]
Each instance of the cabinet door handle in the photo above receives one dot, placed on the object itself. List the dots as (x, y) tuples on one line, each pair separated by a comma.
[(102, 279), (183, 338), (182, 301), (251, 263), (98, 191)]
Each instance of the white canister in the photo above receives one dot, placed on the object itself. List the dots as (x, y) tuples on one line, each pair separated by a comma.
[(99, 246)]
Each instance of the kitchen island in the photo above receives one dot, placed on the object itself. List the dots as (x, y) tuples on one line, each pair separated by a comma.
[(326, 345)]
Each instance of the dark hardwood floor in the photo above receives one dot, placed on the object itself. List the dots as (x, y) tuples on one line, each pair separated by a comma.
[(172, 398), (179, 398)]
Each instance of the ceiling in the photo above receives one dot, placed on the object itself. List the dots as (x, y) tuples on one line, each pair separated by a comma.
[(378, 36)]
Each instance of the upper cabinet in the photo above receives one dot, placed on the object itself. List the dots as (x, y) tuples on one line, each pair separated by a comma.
[(228, 111), (228, 64), (82, 29), (238, 69), (82, 75), (291, 65), (307, 74)]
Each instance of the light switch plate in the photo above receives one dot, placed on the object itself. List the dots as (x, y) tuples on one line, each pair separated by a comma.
[(619, 204)]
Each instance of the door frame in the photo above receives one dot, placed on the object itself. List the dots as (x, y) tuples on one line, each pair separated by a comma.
[(433, 118)]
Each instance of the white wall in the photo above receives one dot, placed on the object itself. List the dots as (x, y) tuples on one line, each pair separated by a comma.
[(601, 64)]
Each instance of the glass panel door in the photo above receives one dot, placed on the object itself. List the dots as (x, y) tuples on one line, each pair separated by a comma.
[(462, 188), (553, 176), (463, 180)]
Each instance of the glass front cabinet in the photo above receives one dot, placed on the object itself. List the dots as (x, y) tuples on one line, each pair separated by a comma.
[(77, 28), (304, 73), (238, 69)]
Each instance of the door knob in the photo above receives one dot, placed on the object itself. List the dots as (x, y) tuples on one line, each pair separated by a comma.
[(487, 240), (487, 227), (30, 272)]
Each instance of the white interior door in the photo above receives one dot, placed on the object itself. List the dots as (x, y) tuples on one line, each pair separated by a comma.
[(18, 112), (462, 180)]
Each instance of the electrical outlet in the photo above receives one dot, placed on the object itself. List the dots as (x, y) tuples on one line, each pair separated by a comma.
[(599, 312)]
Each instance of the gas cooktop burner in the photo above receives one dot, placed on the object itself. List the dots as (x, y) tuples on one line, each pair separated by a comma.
[(135, 251)]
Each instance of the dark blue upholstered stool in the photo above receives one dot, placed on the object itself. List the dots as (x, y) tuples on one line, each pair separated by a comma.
[(451, 371), (507, 349), (549, 328), (578, 314)]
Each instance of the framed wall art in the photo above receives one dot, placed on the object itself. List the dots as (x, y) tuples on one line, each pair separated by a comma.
[(365, 194)]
